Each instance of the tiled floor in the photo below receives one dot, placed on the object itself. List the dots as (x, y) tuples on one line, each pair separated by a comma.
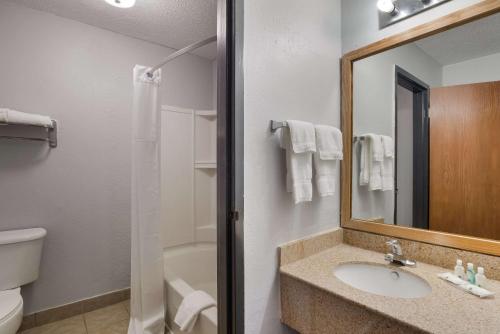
[(108, 320)]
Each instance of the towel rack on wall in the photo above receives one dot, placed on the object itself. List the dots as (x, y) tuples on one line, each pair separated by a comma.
[(358, 138), (275, 125), (51, 135)]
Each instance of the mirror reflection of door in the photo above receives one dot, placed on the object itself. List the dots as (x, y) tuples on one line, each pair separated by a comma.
[(438, 98), (465, 159), (411, 207)]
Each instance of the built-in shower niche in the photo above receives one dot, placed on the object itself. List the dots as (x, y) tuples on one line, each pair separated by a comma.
[(189, 170)]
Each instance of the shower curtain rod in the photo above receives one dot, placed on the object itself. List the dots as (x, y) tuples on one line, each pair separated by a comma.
[(182, 51)]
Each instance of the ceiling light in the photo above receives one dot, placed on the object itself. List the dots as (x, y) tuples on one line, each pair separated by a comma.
[(121, 3), (386, 6)]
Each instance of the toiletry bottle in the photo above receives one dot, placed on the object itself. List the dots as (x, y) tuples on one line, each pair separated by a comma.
[(480, 278), (459, 270), (471, 275)]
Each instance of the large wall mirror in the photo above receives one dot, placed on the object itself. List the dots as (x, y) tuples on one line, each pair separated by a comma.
[(423, 125)]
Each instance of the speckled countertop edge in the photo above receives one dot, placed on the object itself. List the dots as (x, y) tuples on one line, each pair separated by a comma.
[(445, 310)]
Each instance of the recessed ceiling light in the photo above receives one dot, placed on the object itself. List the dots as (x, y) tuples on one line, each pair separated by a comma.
[(386, 6), (121, 3)]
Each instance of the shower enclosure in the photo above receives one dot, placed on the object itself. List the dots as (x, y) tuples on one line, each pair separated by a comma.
[(189, 210)]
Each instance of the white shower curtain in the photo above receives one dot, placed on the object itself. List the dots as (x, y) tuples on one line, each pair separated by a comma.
[(147, 309)]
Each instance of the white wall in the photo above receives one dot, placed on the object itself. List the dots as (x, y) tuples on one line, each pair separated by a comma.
[(291, 70), (374, 112), (477, 70), (80, 191), (360, 21)]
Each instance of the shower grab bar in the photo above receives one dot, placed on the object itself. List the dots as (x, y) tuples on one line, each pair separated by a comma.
[(51, 133)]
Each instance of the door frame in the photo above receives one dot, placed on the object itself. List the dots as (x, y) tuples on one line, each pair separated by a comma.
[(421, 123), (230, 291)]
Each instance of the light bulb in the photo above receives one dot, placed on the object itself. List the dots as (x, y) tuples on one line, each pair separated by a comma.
[(386, 6), (121, 3)]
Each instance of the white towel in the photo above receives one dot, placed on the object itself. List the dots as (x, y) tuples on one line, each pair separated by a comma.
[(375, 161), (328, 151), (299, 164), (364, 162), (388, 146), (3, 115), (302, 136), (371, 162), (18, 117), (387, 165), (192, 305), (377, 147), (328, 142)]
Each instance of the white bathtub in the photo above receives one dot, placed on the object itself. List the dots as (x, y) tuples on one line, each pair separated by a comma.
[(188, 268)]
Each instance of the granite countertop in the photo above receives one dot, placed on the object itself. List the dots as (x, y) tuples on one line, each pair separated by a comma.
[(446, 309)]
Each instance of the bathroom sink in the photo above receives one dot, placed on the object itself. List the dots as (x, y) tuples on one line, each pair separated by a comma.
[(382, 280)]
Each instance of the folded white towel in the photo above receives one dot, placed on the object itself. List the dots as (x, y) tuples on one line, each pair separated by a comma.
[(302, 137), (192, 305), (372, 156), (299, 169), (328, 151), (18, 117), (388, 163), (325, 175), (328, 142), (377, 148), (3, 115), (388, 146), (365, 162)]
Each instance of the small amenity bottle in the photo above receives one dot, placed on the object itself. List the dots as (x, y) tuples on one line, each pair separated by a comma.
[(460, 270), (480, 278), (471, 275)]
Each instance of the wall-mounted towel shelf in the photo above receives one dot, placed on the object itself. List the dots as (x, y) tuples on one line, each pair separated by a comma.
[(275, 125), (50, 136)]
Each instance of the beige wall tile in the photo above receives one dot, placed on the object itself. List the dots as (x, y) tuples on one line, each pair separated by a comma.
[(98, 302), (58, 313)]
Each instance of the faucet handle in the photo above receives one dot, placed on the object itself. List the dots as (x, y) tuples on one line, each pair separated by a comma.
[(395, 246)]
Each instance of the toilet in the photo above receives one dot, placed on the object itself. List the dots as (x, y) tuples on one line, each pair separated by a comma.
[(20, 253)]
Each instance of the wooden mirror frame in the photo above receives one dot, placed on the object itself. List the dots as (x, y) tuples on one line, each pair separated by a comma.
[(458, 18)]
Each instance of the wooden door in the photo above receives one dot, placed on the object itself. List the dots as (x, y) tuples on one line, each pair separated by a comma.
[(465, 160)]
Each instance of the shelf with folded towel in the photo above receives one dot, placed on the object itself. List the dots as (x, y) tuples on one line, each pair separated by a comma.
[(23, 131), (25, 126)]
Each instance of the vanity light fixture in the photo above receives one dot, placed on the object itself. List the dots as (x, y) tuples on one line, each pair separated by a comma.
[(121, 3), (392, 11)]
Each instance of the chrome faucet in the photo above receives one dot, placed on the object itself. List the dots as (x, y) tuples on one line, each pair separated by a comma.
[(396, 254)]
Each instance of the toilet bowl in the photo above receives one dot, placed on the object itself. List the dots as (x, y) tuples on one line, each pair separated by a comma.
[(20, 254), (11, 311)]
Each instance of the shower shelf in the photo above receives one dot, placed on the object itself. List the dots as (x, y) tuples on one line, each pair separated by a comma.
[(205, 165), (206, 113)]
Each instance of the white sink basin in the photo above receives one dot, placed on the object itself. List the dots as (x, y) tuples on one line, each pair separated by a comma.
[(382, 280)]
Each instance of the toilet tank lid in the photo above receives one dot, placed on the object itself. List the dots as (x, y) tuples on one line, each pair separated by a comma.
[(14, 236)]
